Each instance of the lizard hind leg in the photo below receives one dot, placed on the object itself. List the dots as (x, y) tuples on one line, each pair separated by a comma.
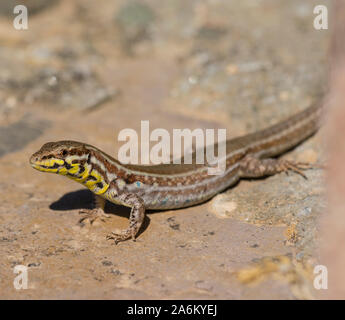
[(253, 167), (96, 213)]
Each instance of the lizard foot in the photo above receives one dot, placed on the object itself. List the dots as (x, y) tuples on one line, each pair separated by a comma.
[(122, 235), (92, 215), (286, 166)]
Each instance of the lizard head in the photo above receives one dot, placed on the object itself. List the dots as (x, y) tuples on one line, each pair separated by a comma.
[(60, 157)]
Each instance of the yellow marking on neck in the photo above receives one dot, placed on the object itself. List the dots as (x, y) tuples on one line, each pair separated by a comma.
[(104, 189), (74, 169), (84, 175), (80, 179), (63, 171), (92, 184), (89, 184)]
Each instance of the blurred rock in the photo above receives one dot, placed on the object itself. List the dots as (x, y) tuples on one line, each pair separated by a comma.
[(74, 86), (134, 20), (33, 6), (17, 135), (211, 33)]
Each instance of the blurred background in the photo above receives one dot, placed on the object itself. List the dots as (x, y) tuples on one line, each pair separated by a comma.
[(206, 59)]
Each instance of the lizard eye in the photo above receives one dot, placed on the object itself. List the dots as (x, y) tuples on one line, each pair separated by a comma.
[(64, 153)]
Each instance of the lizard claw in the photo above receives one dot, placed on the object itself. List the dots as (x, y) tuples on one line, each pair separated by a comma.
[(295, 166), (286, 166), (121, 236), (92, 215)]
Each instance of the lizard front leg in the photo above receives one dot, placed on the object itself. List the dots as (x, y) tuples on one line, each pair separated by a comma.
[(136, 216), (97, 212)]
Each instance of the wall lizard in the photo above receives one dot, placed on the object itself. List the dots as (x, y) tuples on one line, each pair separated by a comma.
[(170, 186)]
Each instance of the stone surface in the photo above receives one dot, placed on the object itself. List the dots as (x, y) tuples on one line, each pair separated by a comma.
[(206, 64)]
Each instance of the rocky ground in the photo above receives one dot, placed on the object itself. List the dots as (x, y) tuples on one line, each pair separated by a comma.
[(85, 70)]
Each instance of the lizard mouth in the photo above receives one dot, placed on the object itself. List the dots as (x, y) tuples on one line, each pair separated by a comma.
[(49, 165), (55, 166)]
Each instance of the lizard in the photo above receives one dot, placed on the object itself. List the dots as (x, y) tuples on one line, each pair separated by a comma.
[(173, 186)]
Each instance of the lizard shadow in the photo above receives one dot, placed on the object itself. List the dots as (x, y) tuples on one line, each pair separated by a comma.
[(83, 199)]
